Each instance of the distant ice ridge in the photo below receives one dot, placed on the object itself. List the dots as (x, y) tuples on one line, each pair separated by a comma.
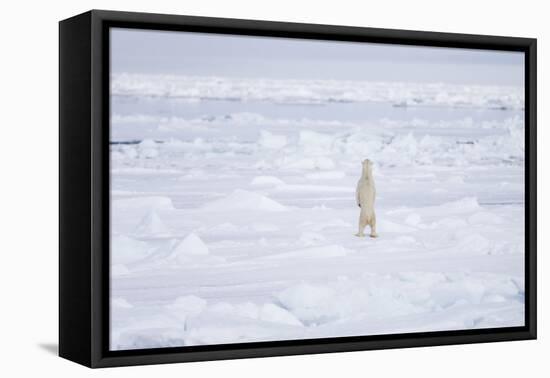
[(197, 88), (305, 148)]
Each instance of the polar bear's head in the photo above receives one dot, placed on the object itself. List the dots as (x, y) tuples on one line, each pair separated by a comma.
[(367, 163), (367, 167)]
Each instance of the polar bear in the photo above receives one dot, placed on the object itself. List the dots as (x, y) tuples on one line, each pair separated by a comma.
[(365, 195)]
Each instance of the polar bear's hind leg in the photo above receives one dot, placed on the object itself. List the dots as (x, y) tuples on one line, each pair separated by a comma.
[(362, 224), (373, 233)]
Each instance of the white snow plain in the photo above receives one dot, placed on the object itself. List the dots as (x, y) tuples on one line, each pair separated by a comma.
[(239, 226)]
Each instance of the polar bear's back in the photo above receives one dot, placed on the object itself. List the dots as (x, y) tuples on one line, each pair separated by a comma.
[(366, 192)]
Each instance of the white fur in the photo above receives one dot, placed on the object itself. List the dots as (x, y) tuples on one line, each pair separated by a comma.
[(365, 196)]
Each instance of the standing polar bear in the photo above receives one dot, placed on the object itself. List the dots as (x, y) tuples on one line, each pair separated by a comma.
[(365, 195)]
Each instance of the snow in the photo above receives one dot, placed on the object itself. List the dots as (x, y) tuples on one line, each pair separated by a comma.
[(315, 252), (330, 175), (128, 250), (149, 203), (234, 221), (413, 219), (118, 269), (266, 181), (148, 149), (311, 238), (484, 217)]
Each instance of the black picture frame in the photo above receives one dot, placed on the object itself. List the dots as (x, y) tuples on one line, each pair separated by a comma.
[(84, 188)]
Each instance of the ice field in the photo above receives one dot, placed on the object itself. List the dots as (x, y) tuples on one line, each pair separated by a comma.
[(233, 209)]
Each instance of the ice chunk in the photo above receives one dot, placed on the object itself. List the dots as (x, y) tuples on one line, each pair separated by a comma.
[(275, 314), (272, 141), (151, 226), (314, 143), (189, 305), (244, 200), (308, 302), (458, 292), (473, 242), (461, 206), (385, 225), (191, 245), (120, 303), (145, 335)]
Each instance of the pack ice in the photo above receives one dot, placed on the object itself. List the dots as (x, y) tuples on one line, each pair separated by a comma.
[(233, 226)]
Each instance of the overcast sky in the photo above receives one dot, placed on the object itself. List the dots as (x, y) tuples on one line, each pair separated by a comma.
[(169, 52)]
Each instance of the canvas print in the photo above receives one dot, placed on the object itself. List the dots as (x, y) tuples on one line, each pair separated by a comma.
[(267, 189)]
